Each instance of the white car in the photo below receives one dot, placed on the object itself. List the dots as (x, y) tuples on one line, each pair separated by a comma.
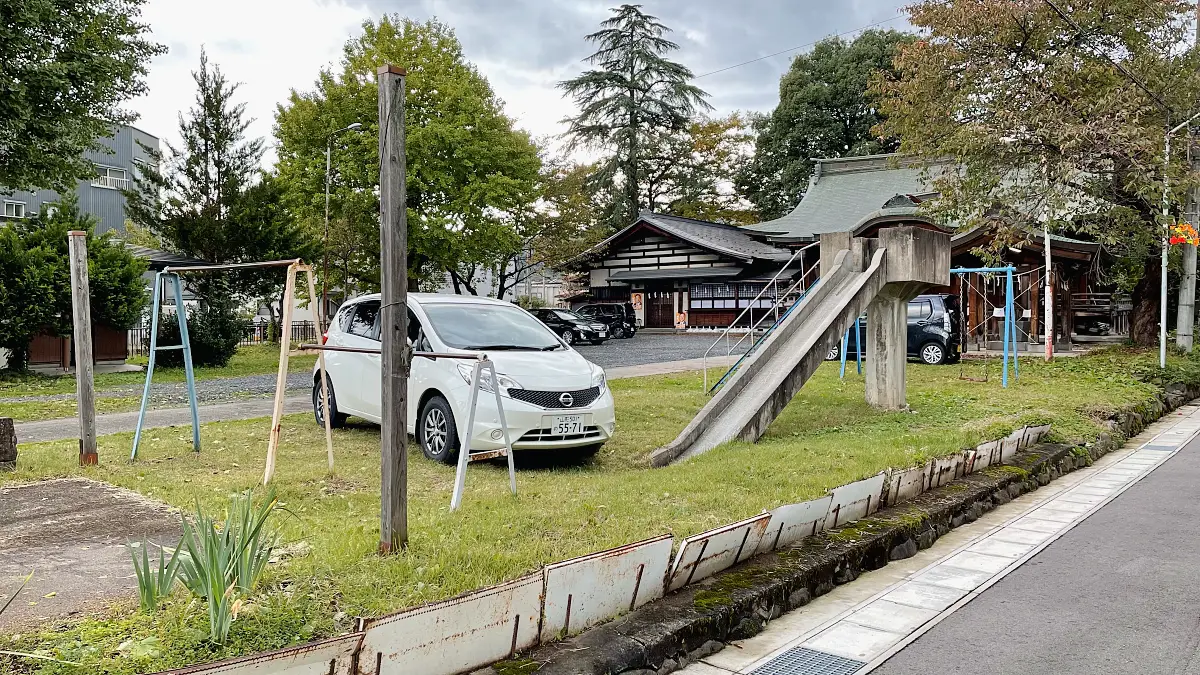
[(553, 398)]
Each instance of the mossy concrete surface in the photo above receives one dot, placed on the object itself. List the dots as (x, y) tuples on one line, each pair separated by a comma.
[(668, 634)]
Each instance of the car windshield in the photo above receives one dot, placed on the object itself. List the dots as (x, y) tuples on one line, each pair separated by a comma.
[(480, 326), (567, 315)]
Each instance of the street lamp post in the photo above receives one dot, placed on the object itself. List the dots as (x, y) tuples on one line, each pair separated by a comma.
[(325, 241), (1162, 306)]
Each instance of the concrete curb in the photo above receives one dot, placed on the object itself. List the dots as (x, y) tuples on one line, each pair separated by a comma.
[(697, 620)]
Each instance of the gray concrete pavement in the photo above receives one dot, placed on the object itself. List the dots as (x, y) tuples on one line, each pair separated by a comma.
[(1117, 594)]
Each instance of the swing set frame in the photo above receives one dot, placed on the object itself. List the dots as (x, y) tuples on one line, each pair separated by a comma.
[(171, 275)]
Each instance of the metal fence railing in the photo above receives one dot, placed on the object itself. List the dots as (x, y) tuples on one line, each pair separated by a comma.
[(257, 333)]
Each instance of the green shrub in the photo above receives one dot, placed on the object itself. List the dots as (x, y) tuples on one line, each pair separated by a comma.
[(213, 331)]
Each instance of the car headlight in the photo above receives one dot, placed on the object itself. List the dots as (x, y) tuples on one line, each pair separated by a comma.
[(485, 379), (598, 379)]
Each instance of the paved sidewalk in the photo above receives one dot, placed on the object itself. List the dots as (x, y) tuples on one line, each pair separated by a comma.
[(1094, 573), (112, 423)]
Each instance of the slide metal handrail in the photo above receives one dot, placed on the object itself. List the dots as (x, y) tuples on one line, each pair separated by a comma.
[(769, 284)]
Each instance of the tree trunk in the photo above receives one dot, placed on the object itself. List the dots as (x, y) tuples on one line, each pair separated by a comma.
[(1143, 320)]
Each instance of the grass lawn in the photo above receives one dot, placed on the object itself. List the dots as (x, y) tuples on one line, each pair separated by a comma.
[(251, 360), (827, 437)]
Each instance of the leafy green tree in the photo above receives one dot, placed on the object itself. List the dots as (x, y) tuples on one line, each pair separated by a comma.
[(825, 110), (694, 175), (35, 278), (66, 68), (1043, 124), (469, 170), (566, 219), (629, 104), (267, 231)]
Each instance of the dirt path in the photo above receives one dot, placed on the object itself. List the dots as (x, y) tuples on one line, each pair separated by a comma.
[(71, 534)]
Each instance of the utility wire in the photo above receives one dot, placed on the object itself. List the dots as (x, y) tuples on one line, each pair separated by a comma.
[(792, 49), (1116, 64)]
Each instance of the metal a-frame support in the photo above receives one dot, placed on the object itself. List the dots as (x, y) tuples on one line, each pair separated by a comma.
[(181, 315), (465, 456)]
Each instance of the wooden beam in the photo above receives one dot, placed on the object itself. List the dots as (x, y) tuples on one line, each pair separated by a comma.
[(285, 345), (315, 301), (393, 244)]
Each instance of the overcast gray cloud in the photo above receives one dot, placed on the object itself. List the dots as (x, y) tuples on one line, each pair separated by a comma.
[(523, 47)]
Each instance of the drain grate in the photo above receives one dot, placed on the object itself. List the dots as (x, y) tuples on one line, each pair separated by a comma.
[(805, 661)]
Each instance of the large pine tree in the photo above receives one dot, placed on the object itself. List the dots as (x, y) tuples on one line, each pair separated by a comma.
[(633, 99), (209, 200)]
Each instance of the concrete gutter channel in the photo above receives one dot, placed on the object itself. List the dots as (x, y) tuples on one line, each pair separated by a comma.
[(698, 620)]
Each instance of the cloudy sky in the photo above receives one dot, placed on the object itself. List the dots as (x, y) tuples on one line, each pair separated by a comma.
[(523, 47)]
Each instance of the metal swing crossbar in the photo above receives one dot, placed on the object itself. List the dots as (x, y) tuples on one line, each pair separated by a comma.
[(171, 275), (465, 455)]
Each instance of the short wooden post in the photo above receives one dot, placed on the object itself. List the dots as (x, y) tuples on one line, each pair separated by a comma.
[(81, 312), (285, 346), (8, 444)]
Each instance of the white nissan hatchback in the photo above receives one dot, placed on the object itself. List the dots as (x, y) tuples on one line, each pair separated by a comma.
[(553, 398)]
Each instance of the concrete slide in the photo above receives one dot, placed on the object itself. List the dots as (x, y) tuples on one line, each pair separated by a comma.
[(855, 275)]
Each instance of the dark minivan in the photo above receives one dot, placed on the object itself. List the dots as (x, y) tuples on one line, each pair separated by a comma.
[(619, 318), (933, 331), (571, 327)]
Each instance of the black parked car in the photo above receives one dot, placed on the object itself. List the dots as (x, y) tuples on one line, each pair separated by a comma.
[(933, 331), (618, 318), (571, 327)]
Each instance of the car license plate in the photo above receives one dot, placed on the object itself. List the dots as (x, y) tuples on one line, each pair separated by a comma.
[(564, 425), (603, 333)]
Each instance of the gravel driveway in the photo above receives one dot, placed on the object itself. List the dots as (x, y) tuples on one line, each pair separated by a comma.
[(646, 348)]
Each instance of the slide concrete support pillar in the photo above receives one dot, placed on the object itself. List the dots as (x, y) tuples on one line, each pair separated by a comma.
[(887, 344)]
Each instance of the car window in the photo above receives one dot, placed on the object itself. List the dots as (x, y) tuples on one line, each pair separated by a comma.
[(565, 315), (343, 318), (920, 309), (586, 311), (366, 320), (486, 326)]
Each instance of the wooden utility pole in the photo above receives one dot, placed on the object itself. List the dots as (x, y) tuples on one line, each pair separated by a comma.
[(393, 323), (81, 312)]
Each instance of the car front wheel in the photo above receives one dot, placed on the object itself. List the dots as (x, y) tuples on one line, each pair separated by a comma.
[(833, 353), (436, 431), (568, 336), (933, 354)]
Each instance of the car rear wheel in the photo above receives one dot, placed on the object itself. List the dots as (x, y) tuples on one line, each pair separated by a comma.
[(568, 336), (933, 354), (834, 353), (339, 419), (436, 431)]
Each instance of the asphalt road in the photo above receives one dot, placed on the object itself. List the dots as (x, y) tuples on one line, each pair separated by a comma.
[(646, 348), (1119, 593)]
